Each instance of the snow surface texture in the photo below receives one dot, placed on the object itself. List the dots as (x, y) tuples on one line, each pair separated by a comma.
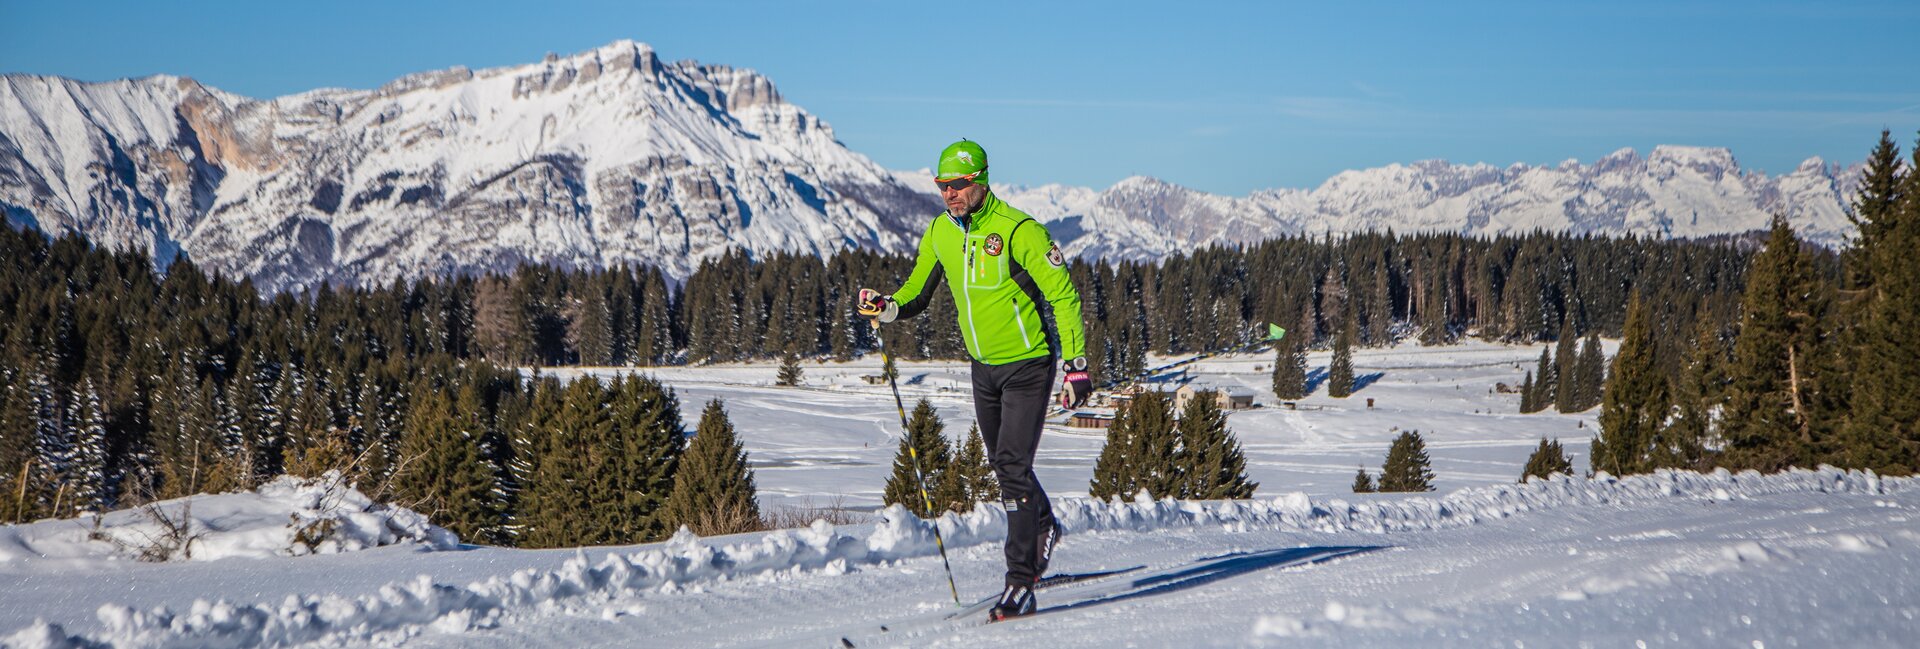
[(613, 156), (422, 605), (287, 517)]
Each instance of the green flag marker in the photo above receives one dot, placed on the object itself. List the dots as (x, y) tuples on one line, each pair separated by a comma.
[(1274, 331)]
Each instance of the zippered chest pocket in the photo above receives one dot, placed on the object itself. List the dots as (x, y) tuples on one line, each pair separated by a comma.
[(986, 262)]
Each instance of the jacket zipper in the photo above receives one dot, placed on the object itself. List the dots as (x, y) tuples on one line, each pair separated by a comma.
[(966, 287)]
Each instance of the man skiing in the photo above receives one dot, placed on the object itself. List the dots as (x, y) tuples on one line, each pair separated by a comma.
[(1008, 278)]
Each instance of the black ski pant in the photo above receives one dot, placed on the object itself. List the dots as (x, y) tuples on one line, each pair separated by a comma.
[(1010, 401)]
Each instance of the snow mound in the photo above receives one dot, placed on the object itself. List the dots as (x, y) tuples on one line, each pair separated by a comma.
[(1463, 507), (685, 563), (287, 517)]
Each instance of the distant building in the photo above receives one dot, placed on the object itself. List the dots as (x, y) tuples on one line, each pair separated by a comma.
[(1091, 419), (1228, 398)]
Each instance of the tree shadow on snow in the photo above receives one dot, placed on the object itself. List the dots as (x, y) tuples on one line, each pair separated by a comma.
[(1362, 381), (1315, 377), (1318, 375), (1212, 569)]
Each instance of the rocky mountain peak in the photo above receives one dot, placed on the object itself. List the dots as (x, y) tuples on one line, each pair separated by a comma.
[(610, 156), (602, 157), (1713, 161)]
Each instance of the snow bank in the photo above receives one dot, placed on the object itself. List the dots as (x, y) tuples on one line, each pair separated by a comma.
[(287, 517), (406, 608), (1462, 507)]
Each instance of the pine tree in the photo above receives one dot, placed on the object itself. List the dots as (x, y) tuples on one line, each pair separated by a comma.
[(1636, 402), (276, 417), (1212, 466), (1883, 429), (1406, 467), (1691, 429), (315, 444), (1289, 370), (1340, 372), (1591, 370), (1544, 382), (559, 507), (656, 319), (1363, 483), (222, 461), (89, 476), (1139, 453), (1768, 421), (18, 442), (535, 440), (1566, 395), (974, 472), (1547, 461), (378, 448), (53, 445), (499, 323), (790, 371), (590, 327), (1526, 396), (444, 475), (713, 490), (925, 441), (646, 440)]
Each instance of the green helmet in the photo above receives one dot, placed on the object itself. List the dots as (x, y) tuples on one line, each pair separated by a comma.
[(960, 159)]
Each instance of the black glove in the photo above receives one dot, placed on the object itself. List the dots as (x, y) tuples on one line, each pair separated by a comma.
[(1076, 386), (873, 304)]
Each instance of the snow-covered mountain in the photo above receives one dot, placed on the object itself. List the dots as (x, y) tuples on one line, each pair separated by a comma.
[(604, 157), (1675, 191), (613, 156)]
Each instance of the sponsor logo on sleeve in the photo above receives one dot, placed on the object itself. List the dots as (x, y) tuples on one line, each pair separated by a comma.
[(1055, 257)]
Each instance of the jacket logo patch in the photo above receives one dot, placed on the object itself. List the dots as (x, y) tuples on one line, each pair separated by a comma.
[(1055, 257), (993, 244)]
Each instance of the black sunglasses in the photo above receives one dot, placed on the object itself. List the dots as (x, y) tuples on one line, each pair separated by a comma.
[(957, 184)]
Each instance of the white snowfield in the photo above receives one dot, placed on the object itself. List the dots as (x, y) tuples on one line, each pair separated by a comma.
[(264, 523), (1818, 558), (1823, 558)]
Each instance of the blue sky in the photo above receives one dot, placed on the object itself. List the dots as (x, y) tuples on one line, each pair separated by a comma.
[(1227, 97)]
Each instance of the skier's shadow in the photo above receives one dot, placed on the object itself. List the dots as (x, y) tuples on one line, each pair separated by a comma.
[(1212, 569)]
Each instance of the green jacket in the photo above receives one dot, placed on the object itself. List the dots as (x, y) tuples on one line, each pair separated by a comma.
[(1002, 266)]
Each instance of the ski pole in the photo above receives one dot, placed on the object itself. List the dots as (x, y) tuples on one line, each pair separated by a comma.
[(918, 477)]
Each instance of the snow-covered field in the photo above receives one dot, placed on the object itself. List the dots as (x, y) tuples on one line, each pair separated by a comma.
[(1810, 558), (836, 421)]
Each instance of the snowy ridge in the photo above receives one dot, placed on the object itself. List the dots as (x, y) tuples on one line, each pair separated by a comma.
[(406, 608), (596, 159), (1673, 192), (290, 516)]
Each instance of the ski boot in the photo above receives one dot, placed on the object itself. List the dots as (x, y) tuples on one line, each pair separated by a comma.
[(1015, 601)]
